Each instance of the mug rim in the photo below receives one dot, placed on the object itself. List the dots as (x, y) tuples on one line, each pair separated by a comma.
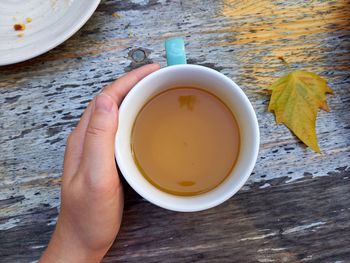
[(199, 205)]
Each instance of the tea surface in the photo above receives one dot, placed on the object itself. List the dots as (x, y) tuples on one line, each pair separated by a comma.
[(185, 141)]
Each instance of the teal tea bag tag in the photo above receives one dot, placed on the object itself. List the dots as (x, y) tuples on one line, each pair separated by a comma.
[(175, 51)]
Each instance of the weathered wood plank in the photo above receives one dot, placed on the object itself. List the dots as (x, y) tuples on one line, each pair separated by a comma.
[(295, 206), (306, 220), (277, 223)]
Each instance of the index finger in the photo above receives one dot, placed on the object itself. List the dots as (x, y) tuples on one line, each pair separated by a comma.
[(117, 91), (119, 88)]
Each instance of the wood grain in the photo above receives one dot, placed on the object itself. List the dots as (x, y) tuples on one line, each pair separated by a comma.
[(295, 206)]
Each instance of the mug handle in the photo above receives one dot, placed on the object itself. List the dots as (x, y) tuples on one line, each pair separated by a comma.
[(175, 51)]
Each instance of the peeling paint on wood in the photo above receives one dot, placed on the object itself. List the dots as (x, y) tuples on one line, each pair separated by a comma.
[(295, 206)]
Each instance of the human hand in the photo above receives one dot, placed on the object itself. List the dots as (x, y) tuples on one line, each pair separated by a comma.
[(92, 195)]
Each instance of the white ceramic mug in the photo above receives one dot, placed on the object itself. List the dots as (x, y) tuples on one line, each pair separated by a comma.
[(189, 76)]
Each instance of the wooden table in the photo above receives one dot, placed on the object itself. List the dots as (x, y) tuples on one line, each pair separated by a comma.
[(295, 206)]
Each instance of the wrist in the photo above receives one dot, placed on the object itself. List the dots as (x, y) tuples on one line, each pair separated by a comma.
[(65, 248)]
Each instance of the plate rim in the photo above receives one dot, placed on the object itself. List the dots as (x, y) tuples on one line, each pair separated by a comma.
[(56, 41)]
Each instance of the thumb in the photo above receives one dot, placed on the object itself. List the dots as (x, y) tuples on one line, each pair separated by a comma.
[(98, 152)]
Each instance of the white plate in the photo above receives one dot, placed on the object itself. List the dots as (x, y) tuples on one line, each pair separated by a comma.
[(53, 22)]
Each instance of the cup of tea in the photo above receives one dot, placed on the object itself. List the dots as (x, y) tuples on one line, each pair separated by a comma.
[(188, 137)]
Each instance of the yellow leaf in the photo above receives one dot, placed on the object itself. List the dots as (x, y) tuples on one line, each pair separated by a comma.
[(296, 99)]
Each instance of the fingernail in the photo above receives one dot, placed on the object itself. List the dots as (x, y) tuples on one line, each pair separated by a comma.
[(103, 103)]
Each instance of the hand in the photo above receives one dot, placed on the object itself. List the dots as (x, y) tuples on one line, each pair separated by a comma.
[(92, 195)]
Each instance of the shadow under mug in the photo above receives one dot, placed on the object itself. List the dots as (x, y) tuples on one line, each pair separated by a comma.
[(175, 75)]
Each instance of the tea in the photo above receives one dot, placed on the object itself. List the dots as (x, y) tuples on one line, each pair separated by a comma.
[(185, 141)]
